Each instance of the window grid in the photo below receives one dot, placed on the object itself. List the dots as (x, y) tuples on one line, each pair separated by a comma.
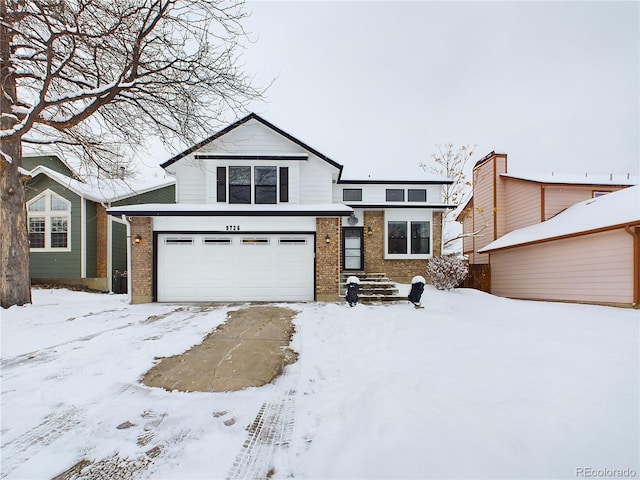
[(49, 220)]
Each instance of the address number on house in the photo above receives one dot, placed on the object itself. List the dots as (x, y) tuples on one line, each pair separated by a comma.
[(233, 228)]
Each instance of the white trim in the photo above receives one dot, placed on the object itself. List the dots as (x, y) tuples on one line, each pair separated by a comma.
[(408, 216), (48, 214), (83, 237)]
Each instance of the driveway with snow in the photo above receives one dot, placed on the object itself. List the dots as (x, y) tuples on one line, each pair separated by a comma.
[(473, 386)]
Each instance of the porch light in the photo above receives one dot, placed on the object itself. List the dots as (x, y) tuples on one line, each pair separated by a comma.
[(137, 239), (327, 239), (369, 230)]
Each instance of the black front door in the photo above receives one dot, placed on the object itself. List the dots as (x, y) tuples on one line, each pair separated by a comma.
[(352, 250)]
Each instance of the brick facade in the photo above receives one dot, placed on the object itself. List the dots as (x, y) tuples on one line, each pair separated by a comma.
[(102, 222), (328, 258), (141, 260), (401, 271)]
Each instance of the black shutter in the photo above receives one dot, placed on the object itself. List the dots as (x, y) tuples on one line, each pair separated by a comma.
[(221, 185), (284, 184)]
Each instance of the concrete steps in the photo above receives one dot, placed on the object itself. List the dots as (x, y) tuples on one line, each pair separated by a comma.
[(374, 287)]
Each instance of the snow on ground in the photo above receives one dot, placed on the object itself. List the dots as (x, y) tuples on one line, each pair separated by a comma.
[(473, 386)]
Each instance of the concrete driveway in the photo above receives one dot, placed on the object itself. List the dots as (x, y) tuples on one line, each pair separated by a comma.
[(249, 350)]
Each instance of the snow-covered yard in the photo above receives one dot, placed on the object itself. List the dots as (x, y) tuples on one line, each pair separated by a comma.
[(473, 386)]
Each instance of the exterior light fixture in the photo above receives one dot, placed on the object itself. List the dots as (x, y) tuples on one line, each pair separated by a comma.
[(327, 239), (369, 230), (137, 239)]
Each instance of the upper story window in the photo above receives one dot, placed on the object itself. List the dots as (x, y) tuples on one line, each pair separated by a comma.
[(246, 185), (417, 195), (49, 218), (239, 184), (266, 183), (352, 195), (395, 195)]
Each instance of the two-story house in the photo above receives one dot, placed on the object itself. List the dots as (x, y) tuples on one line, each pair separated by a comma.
[(261, 216), (545, 237)]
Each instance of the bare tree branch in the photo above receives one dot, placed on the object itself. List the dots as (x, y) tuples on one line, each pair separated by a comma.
[(96, 79)]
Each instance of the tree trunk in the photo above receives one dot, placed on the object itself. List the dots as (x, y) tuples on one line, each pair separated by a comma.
[(15, 285)]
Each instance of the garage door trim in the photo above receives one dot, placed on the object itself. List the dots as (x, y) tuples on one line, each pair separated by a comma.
[(157, 233)]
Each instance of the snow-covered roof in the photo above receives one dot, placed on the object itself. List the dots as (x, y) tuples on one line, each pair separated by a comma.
[(613, 209), (226, 209), (577, 178), (105, 189)]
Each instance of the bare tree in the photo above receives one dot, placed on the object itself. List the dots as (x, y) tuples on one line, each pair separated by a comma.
[(450, 162), (95, 77)]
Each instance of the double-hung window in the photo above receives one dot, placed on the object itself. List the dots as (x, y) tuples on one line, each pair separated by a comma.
[(246, 185), (397, 237), (266, 183), (420, 241), (49, 217), (408, 238), (239, 184)]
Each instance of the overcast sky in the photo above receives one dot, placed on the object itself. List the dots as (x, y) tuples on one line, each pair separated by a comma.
[(376, 85)]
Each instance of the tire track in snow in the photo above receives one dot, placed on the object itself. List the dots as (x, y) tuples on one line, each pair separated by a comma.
[(270, 433), (21, 449), (17, 451)]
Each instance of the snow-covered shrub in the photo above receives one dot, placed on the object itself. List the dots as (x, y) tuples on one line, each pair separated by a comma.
[(447, 272)]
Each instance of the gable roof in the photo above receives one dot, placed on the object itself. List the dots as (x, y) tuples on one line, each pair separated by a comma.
[(606, 212), (251, 116), (104, 190), (52, 161)]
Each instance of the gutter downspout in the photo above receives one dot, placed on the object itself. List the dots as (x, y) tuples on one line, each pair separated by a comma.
[(128, 225), (635, 233)]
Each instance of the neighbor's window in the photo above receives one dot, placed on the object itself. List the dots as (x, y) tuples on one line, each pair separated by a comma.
[(239, 184), (599, 194), (352, 195), (417, 195), (395, 195), (49, 217), (420, 241), (397, 237), (266, 180)]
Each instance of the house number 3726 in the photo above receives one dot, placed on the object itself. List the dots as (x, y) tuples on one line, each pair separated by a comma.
[(233, 228)]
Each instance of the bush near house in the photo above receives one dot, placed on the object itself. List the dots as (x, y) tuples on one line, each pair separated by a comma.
[(447, 271)]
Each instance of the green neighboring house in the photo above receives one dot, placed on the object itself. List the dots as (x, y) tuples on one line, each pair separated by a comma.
[(72, 239)]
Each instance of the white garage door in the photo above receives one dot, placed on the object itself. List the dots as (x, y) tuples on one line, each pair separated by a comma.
[(201, 267)]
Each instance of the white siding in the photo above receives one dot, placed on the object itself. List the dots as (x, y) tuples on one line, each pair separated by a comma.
[(310, 179), (590, 268), (252, 137), (315, 182), (191, 180), (377, 193)]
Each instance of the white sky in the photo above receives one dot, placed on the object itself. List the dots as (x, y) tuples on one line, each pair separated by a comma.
[(376, 85)]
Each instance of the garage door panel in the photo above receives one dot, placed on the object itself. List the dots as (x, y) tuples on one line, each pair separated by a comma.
[(207, 267)]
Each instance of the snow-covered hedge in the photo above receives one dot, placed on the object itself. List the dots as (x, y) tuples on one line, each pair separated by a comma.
[(447, 271)]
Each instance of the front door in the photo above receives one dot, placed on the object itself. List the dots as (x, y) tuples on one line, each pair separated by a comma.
[(352, 248)]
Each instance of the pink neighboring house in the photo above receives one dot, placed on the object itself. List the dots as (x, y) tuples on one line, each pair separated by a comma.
[(555, 237)]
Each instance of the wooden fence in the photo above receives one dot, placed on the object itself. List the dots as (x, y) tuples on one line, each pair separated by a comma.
[(479, 278)]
